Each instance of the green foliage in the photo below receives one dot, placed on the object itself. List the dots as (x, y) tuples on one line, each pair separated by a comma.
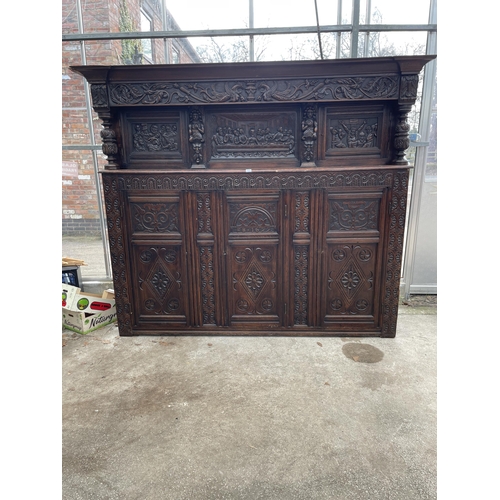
[(130, 48)]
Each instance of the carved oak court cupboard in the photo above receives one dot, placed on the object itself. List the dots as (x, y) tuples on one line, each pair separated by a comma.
[(256, 198)]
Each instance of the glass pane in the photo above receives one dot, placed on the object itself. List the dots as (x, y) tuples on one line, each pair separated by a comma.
[(271, 47), (346, 11), (147, 44), (293, 13), (202, 15), (398, 12), (402, 43), (221, 49), (81, 227), (431, 166), (289, 47)]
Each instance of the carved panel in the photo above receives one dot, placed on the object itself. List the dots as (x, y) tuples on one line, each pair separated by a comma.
[(353, 133), (253, 134), (247, 218), (159, 285), (353, 215), (350, 278), (151, 217), (253, 271), (150, 137)]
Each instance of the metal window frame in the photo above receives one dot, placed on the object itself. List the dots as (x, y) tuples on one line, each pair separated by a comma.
[(355, 29), (422, 147)]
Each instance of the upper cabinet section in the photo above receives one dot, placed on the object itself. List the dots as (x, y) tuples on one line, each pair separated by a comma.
[(344, 112)]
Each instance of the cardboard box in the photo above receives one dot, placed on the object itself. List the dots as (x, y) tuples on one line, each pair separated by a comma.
[(86, 312)]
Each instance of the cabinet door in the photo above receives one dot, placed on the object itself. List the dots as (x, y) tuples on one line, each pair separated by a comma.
[(353, 259), (158, 263), (253, 259)]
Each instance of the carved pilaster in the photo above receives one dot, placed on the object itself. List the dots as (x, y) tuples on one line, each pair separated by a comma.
[(206, 246), (196, 137), (117, 247), (309, 136), (390, 301)]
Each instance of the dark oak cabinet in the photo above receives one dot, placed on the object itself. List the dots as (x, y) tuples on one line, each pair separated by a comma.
[(256, 198)]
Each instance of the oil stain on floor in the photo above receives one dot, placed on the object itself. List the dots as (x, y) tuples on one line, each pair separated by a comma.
[(362, 353)]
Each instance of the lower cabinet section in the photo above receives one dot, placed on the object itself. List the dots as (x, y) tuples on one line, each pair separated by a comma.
[(299, 260)]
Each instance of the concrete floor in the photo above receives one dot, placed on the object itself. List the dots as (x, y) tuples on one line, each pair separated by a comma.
[(206, 418)]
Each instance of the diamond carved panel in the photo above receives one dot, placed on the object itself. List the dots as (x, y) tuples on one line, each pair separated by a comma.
[(160, 281), (254, 280), (350, 279)]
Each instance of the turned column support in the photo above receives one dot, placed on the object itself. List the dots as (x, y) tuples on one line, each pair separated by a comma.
[(100, 102), (407, 96), (401, 135), (109, 142)]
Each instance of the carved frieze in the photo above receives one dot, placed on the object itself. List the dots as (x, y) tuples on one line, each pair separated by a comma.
[(234, 91), (248, 180)]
